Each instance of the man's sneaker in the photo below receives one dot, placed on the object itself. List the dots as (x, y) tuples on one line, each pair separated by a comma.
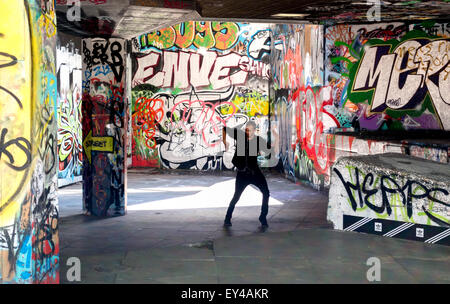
[(227, 223), (263, 222)]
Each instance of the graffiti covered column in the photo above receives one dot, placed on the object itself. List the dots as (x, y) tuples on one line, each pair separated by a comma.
[(104, 126)]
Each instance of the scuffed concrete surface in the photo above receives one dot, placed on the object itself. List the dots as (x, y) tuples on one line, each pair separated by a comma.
[(167, 210), (299, 256), (190, 246), (396, 173), (403, 165)]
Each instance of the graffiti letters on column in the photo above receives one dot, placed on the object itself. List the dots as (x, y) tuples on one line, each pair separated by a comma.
[(29, 244), (104, 111), (109, 53)]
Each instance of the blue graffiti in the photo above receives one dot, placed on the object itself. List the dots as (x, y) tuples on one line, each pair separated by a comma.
[(259, 44), (24, 262)]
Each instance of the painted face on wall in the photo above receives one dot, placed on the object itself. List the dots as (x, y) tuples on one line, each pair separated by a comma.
[(100, 90)]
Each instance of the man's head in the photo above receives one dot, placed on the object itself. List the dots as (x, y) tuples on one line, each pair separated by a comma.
[(250, 129)]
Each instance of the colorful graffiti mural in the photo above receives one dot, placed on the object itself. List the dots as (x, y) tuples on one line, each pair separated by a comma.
[(200, 34), (297, 59), (386, 76), (104, 111), (377, 77), (190, 80), (389, 76), (301, 103), (70, 146), (29, 243)]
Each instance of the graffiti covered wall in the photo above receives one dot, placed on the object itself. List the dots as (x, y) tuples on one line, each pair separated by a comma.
[(104, 111), (393, 195), (190, 80), (378, 77), (70, 146), (29, 244), (390, 76), (299, 99)]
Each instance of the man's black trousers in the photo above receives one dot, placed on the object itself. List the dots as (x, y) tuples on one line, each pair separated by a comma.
[(244, 179)]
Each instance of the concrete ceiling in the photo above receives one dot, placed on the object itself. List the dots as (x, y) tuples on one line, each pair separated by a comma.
[(335, 11), (130, 18), (141, 19), (122, 18)]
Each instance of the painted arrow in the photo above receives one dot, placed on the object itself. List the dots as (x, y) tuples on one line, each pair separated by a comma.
[(102, 144)]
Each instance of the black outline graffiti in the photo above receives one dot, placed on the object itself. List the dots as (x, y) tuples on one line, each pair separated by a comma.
[(17, 142), (11, 63), (45, 212), (99, 56), (385, 189), (50, 144)]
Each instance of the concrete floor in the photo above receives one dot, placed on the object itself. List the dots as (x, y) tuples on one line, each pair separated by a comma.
[(173, 234)]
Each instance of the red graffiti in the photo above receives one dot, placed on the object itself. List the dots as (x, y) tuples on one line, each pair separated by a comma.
[(148, 113), (310, 127)]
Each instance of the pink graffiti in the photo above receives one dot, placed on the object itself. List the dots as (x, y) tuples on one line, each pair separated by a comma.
[(201, 117)]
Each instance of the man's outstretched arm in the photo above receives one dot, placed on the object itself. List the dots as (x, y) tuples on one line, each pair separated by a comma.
[(224, 138), (233, 133)]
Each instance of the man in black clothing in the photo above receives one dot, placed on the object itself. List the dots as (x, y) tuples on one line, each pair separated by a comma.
[(248, 146)]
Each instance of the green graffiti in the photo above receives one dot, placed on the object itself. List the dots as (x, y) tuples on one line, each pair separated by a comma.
[(204, 37), (184, 34), (200, 34), (162, 39), (417, 105), (227, 34)]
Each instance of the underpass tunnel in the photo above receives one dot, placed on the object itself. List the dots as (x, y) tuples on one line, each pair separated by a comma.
[(156, 156), (112, 117)]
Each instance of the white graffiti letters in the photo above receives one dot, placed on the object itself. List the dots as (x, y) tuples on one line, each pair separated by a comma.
[(184, 69), (402, 78), (369, 76)]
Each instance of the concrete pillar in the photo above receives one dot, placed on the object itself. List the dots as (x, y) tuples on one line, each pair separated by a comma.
[(29, 244), (104, 126)]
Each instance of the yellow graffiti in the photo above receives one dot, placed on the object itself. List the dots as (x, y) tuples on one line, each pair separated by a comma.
[(47, 20), (101, 144), (14, 116), (249, 104), (200, 34)]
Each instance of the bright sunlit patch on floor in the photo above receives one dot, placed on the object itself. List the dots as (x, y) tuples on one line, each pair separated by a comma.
[(69, 191), (166, 189), (142, 190), (215, 196)]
